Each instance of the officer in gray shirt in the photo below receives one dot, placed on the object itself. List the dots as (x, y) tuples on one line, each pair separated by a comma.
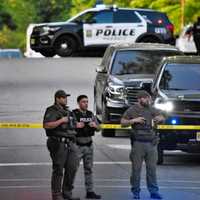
[(144, 140)]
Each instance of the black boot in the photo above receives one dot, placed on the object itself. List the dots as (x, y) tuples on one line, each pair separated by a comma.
[(92, 195), (57, 196), (71, 198)]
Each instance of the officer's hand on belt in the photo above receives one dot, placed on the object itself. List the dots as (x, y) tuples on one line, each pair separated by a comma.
[(139, 120), (158, 119), (93, 125), (80, 125)]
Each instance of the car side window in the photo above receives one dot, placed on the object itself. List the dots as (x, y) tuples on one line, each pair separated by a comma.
[(85, 18), (104, 17), (126, 16)]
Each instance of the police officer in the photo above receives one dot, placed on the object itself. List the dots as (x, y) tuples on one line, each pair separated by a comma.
[(144, 143), (86, 127), (196, 34), (59, 125)]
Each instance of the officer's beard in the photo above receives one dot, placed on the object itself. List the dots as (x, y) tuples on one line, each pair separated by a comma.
[(145, 104)]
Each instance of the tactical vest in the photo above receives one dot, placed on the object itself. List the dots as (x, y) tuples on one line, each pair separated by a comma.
[(65, 127), (86, 118)]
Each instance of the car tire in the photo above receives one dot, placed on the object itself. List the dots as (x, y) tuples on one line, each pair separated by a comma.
[(160, 155), (150, 39), (106, 132), (65, 46), (48, 53)]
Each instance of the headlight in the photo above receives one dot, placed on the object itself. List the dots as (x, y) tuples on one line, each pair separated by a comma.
[(163, 105), (116, 91), (52, 29)]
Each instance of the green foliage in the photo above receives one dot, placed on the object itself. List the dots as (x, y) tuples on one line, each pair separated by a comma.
[(16, 15)]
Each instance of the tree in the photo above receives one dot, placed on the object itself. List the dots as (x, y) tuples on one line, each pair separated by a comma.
[(53, 10)]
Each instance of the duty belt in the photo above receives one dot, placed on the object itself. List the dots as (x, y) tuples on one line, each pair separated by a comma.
[(84, 144), (145, 141), (60, 139)]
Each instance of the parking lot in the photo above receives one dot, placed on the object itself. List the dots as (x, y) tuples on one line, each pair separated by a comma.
[(27, 87)]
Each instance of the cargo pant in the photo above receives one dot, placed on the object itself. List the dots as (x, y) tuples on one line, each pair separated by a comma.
[(144, 151), (86, 154), (197, 43), (65, 162)]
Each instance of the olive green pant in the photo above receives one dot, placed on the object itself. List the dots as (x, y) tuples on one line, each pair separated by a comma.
[(144, 151), (65, 165)]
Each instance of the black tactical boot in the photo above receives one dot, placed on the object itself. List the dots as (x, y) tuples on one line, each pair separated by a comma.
[(156, 196), (92, 195), (71, 198), (136, 195), (57, 196)]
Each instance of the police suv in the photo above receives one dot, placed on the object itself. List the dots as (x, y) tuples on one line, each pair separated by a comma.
[(101, 26)]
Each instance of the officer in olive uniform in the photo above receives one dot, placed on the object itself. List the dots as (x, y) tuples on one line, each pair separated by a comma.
[(59, 125), (144, 142), (196, 34), (195, 31), (86, 127)]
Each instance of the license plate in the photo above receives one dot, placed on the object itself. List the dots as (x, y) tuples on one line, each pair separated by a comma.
[(32, 41), (198, 136)]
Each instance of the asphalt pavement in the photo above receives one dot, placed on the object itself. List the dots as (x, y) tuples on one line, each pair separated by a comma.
[(27, 87)]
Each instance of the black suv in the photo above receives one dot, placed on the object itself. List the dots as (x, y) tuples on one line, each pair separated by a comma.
[(125, 70), (99, 27), (176, 92)]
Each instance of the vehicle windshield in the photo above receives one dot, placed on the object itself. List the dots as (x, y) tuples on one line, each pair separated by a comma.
[(181, 77), (138, 61)]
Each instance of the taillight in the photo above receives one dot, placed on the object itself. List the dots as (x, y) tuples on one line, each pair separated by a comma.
[(160, 21), (170, 27)]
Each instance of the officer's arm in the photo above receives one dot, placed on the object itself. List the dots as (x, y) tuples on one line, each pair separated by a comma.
[(127, 122), (126, 119), (54, 124), (158, 116), (50, 120)]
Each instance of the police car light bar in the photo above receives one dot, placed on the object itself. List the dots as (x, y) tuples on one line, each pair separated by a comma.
[(100, 6), (103, 6)]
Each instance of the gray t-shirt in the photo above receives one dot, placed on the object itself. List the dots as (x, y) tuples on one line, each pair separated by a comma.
[(142, 131)]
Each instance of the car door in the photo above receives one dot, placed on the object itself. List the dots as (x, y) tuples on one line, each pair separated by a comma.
[(129, 25), (98, 30)]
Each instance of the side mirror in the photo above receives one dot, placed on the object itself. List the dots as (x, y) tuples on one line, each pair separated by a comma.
[(100, 69)]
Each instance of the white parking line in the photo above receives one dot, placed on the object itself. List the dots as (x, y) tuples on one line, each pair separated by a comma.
[(100, 186), (49, 163), (99, 180)]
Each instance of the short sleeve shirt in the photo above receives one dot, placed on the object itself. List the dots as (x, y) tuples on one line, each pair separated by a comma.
[(136, 111)]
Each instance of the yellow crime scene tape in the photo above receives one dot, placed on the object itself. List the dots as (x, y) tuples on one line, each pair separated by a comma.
[(20, 125), (5, 125)]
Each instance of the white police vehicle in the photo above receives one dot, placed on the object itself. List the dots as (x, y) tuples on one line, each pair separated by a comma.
[(100, 26)]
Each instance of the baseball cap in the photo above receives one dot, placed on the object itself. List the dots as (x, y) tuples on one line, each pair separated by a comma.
[(61, 93)]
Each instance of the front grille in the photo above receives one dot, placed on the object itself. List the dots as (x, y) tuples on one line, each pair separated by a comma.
[(132, 95), (187, 106)]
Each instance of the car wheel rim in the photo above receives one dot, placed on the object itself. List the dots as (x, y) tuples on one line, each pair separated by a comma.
[(64, 46)]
